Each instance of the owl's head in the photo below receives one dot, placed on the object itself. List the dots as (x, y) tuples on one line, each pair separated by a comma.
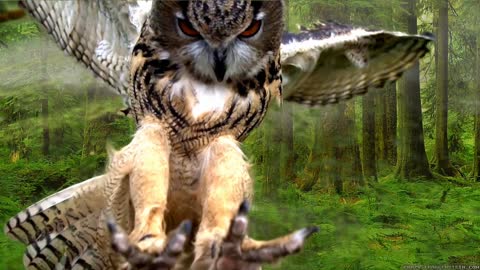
[(219, 40)]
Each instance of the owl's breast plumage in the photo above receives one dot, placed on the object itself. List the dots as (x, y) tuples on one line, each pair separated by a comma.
[(194, 112)]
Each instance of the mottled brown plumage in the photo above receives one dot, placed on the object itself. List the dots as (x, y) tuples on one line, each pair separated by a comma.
[(167, 83)]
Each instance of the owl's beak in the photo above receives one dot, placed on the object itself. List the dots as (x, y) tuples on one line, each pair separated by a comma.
[(220, 66)]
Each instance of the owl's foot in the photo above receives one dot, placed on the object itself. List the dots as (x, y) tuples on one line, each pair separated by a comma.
[(238, 252), (136, 258)]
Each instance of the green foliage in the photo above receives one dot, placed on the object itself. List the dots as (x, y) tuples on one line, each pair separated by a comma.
[(16, 31), (386, 226)]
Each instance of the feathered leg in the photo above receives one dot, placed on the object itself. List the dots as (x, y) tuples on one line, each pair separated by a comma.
[(222, 242), (147, 246), (149, 185), (225, 184)]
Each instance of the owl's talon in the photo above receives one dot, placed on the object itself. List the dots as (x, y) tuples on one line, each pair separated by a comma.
[(240, 253), (120, 242), (138, 259), (177, 241), (238, 228), (271, 253)]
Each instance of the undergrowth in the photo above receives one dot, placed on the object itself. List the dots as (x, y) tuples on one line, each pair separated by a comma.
[(388, 225)]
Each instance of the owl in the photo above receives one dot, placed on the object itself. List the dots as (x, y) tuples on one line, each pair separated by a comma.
[(198, 76)]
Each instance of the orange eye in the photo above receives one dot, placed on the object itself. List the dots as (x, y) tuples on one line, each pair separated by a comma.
[(252, 29), (187, 28)]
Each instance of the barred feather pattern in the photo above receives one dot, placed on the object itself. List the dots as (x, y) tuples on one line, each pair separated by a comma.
[(334, 62), (68, 229), (62, 226), (97, 33)]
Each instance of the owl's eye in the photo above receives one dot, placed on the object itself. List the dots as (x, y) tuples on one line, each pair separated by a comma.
[(252, 29), (187, 28)]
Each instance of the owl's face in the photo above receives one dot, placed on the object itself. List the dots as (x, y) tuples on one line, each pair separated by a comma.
[(219, 40)]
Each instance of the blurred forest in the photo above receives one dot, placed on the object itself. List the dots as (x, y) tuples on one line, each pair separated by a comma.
[(391, 178)]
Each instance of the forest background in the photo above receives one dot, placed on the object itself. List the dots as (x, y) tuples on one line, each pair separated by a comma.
[(391, 178)]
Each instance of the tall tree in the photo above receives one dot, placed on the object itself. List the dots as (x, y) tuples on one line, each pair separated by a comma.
[(476, 153), (390, 132), (390, 136), (288, 151), (412, 158), (369, 161), (442, 159), (44, 104), (288, 159), (46, 129), (318, 159), (387, 111), (272, 151), (349, 166), (334, 163)]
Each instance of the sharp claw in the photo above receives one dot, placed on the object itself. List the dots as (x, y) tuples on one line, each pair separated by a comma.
[(240, 222), (307, 232), (239, 226), (178, 240), (299, 237), (186, 227), (120, 242), (273, 253), (244, 208), (112, 225)]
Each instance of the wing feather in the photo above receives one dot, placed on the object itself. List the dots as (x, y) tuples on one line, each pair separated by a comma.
[(334, 62), (98, 33), (76, 246), (54, 213), (65, 228)]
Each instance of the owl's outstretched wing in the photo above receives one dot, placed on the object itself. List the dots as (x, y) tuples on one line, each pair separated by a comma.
[(98, 33), (333, 62)]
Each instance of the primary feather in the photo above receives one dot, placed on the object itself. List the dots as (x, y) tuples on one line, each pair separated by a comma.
[(97, 33), (333, 62), (64, 225)]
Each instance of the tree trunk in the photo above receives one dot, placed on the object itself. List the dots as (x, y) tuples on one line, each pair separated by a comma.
[(442, 160), (391, 124), (319, 155), (44, 105), (334, 163), (368, 137), (380, 127), (357, 164), (338, 151), (88, 128), (272, 153), (412, 159), (390, 105), (349, 163), (476, 161), (288, 159)]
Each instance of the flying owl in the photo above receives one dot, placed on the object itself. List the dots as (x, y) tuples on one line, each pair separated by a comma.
[(198, 77)]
